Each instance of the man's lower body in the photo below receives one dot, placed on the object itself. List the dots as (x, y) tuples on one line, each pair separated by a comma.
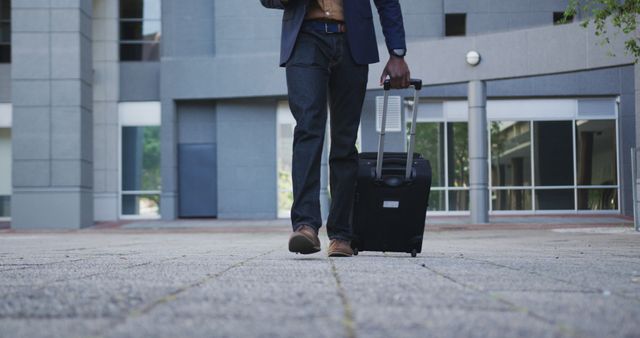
[(320, 70)]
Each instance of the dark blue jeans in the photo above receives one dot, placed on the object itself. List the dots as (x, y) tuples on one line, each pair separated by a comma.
[(322, 69)]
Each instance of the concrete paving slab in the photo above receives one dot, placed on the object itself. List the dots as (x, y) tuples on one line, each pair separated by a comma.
[(202, 283)]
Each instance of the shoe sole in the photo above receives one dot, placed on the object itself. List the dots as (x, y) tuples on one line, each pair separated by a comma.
[(340, 254), (301, 244)]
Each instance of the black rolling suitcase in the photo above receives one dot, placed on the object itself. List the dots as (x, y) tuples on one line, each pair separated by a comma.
[(392, 192)]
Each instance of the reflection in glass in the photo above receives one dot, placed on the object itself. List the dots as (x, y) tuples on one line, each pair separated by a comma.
[(430, 143), (510, 153), (458, 200), (436, 200), (140, 158), (515, 199), (5, 32), (143, 205), (5, 206), (597, 199), (286, 127), (140, 9), (596, 152), (555, 199), (140, 30), (458, 158), (139, 51), (5, 9), (553, 153), (5, 172)]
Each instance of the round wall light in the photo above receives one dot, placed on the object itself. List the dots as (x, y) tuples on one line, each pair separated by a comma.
[(473, 58)]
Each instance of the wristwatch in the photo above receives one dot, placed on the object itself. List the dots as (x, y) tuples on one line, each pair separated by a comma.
[(399, 52)]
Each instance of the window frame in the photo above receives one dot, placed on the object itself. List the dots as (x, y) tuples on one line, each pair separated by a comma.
[(142, 42), (575, 187), (571, 105), (137, 114)]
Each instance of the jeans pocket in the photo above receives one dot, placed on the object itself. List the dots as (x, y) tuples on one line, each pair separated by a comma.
[(307, 52)]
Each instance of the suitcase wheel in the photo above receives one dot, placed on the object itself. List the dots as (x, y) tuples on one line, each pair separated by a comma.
[(414, 253), (355, 251)]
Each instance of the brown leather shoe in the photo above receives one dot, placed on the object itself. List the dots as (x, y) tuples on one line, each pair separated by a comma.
[(340, 248), (304, 240)]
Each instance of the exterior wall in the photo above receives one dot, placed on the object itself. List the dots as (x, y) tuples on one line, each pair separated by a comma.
[(139, 81), (637, 124), (247, 168), (245, 28), (52, 130), (189, 27), (105, 107)]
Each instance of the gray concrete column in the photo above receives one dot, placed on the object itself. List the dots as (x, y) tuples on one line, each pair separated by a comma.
[(169, 160), (106, 85), (478, 153), (52, 114)]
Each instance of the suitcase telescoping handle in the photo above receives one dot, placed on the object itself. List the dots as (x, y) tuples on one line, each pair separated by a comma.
[(417, 85)]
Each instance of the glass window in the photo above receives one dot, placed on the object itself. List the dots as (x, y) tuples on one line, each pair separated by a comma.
[(455, 24), (598, 199), (141, 180), (458, 200), (596, 158), (5, 9), (510, 153), (430, 143), (555, 199), (5, 31), (512, 199), (139, 51), (140, 158), (140, 9), (5, 172), (141, 205), (558, 18), (553, 153), (140, 30), (286, 125), (436, 200), (457, 144), (5, 53)]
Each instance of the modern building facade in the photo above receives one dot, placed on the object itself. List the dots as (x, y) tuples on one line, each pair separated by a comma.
[(127, 109)]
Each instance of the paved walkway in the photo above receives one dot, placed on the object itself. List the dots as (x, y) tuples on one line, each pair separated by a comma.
[(178, 282)]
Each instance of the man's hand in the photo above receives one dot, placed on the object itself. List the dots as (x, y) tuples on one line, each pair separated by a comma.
[(398, 71)]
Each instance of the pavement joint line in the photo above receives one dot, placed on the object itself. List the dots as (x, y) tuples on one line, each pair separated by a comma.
[(590, 289), (135, 313), (513, 306), (348, 320), (173, 295), (17, 267)]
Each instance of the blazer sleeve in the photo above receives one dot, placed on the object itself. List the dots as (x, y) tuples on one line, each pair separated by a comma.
[(392, 24), (276, 4)]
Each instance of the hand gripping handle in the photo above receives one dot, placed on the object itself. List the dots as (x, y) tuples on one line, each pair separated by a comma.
[(415, 83)]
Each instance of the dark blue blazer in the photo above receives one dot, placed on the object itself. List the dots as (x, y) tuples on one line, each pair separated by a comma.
[(359, 22)]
